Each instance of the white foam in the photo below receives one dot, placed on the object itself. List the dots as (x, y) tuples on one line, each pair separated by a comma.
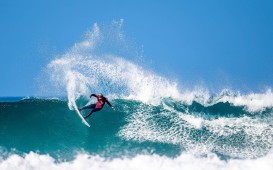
[(185, 161), (241, 137), (254, 101)]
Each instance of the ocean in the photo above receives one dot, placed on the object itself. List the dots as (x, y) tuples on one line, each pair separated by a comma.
[(158, 123), (46, 134)]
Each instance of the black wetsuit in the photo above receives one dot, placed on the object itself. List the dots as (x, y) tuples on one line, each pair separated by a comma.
[(96, 107)]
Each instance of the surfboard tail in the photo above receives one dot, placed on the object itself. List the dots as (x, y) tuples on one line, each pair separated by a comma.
[(80, 115)]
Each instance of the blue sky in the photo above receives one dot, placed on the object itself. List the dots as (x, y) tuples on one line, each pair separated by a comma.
[(217, 42)]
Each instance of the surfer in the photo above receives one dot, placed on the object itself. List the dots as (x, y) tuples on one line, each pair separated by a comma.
[(98, 106)]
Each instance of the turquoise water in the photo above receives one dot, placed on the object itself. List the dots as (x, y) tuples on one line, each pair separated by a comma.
[(48, 126)]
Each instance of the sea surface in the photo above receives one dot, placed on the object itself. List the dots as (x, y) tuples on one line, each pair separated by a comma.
[(46, 134)]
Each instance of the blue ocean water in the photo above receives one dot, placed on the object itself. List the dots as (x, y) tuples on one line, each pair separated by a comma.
[(169, 131), (158, 123)]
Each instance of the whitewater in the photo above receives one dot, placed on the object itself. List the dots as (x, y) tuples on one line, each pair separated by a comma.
[(157, 124)]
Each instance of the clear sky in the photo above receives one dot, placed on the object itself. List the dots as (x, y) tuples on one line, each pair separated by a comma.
[(227, 42)]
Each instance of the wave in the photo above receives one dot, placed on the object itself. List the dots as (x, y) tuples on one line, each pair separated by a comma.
[(135, 128)]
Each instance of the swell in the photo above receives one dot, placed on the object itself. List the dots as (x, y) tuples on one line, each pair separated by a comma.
[(48, 126)]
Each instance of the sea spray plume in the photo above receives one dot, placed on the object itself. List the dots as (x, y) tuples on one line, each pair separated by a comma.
[(119, 77), (81, 70)]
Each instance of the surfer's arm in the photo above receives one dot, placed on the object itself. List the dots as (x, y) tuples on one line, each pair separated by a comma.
[(93, 95), (109, 104)]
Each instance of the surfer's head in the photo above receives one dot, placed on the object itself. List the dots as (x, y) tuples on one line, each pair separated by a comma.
[(100, 95)]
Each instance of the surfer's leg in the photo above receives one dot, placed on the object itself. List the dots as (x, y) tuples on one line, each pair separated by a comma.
[(91, 106), (94, 110)]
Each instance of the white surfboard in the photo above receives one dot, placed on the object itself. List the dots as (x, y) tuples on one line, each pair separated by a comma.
[(78, 112)]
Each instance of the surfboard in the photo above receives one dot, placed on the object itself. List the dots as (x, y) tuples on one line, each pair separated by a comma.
[(79, 113)]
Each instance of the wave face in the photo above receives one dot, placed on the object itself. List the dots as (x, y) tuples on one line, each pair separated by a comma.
[(156, 124), (47, 129), (49, 126)]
